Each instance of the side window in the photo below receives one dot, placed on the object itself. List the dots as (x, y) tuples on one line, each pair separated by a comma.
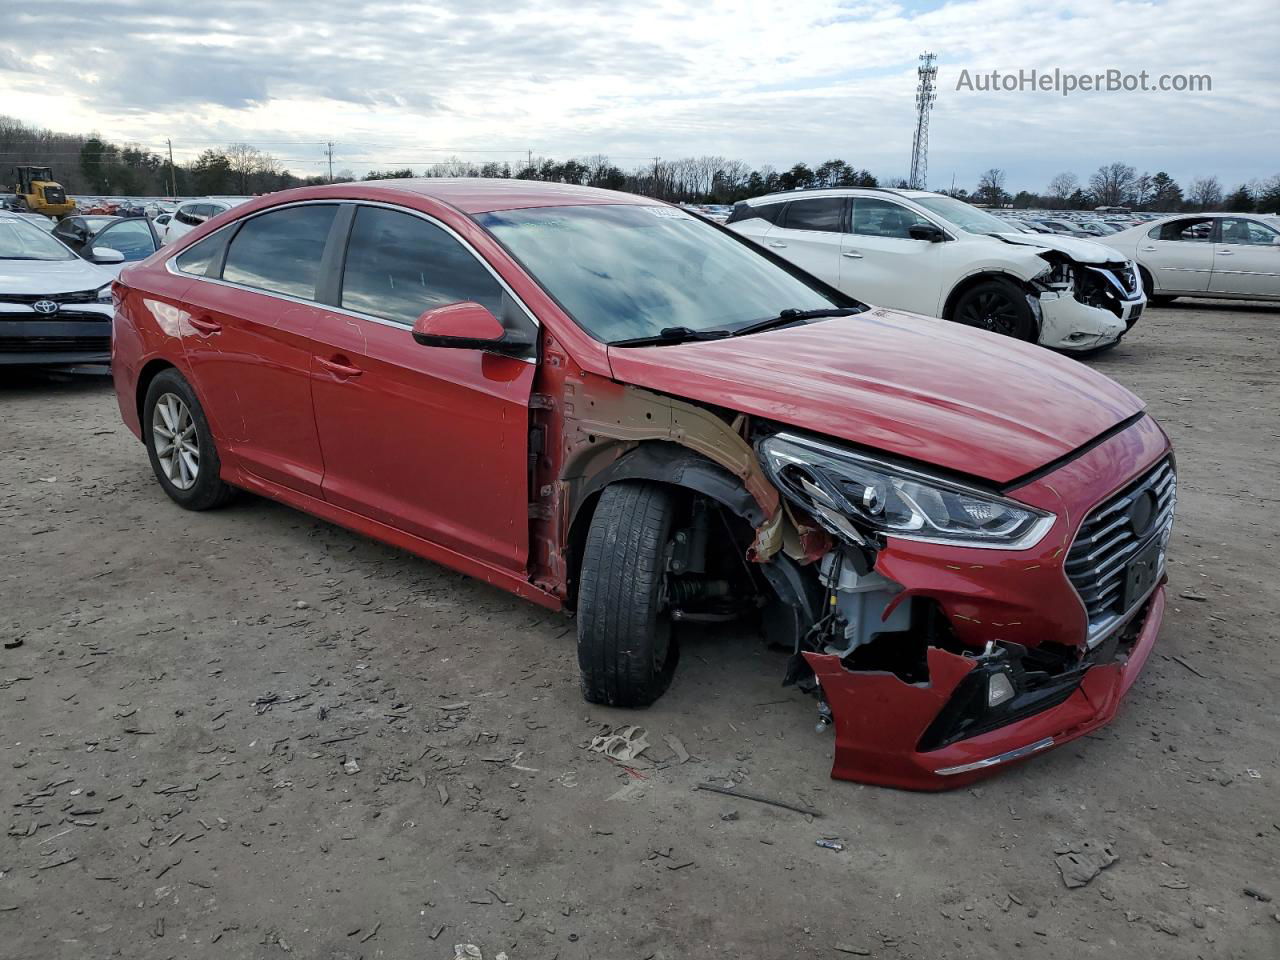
[(130, 237), (1187, 229), (1239, 230), (823, 214), (280, 251), (202, 258), (873, 217), (399, 266), (188, 214)]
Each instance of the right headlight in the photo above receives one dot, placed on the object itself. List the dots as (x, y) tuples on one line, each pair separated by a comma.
[(850, 492)]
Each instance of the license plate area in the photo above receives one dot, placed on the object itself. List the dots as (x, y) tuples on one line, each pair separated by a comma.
[(1142, 572)]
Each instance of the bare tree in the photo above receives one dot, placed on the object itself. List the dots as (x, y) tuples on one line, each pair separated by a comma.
[(244, 160), (1063, 186), (1112, 184), (1205, 193), (991, 187)]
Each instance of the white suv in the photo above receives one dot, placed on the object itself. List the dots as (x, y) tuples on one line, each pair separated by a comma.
[(940, 257), (191, 213)]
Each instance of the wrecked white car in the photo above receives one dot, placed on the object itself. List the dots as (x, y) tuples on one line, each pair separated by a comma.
[(940, 257)]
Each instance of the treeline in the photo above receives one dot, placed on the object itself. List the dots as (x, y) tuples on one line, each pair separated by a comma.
[(709, 179), (92, 165), (1120, 185)]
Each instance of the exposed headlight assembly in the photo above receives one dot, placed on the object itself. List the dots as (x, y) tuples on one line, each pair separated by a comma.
[(850, 493), (104, 293)]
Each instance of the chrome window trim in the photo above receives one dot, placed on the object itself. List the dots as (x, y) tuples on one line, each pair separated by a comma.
[(171, 264)]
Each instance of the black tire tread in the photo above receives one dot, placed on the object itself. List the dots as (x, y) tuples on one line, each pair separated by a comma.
[(618, 596)]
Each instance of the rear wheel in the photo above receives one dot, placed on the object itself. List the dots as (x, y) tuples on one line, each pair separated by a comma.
[(999, 306), (626, 649), (180, 445)]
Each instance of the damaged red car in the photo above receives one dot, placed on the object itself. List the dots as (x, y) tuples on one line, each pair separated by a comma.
[(609, 406)]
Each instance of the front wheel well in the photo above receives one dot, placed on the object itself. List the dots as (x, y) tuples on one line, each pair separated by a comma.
[(969, 282)]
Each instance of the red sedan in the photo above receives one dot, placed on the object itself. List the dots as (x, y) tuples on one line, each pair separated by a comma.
[(610, 406)]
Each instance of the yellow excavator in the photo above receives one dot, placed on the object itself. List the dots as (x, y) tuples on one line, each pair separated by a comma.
[(37, 191)]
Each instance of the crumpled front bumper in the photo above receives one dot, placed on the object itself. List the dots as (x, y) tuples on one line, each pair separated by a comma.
[(879, 719), (1068, 324)]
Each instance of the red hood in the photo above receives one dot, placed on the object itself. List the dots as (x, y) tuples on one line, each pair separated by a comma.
[(926, 389)]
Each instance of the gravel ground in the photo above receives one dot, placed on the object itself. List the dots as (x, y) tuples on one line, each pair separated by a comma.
[(248, 733)]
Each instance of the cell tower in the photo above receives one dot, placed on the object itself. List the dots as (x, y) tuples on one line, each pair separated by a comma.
[(926, 93)]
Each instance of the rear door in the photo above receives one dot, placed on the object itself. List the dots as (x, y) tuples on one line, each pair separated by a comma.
[(248, 340), (1246, 258), (1179, 254), (882, 264), (428, 440), (807, 233)]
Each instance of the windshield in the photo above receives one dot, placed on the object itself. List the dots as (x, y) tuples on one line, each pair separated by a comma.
[(22, 241), (965, 216), (624, 271)]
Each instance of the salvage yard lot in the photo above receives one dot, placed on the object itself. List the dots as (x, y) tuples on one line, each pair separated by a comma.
[(247, 733)]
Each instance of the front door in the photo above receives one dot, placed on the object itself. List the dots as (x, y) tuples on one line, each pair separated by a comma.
[(882, 264), (247, 342), (431, 441), (1246, 259)]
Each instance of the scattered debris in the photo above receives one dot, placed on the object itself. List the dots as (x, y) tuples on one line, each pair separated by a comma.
[(623, 744), (1197, 597), (856, 951), (682, 755), (1191, 668), (734, 792), (13, 644), (351, 767), (467, 951), (830, 844), (1256, 894), (1084, 860)]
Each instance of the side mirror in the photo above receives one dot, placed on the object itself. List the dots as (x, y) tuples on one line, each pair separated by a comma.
[(468, 326), (107, 255), (926, 231)]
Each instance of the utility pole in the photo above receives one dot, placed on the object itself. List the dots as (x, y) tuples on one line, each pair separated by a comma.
[(329, 151), (173, 173), (926, 94), (656, 189)]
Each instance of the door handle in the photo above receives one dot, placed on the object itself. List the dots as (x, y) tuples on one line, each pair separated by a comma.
[(777, 245), (852, 255), (340, 367), (1225, 253), (1148, 248), (205, 325)]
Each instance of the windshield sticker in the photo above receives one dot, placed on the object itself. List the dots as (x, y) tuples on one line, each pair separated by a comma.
[(669, 213)]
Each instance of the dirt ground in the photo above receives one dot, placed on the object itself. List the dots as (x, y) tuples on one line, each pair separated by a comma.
[(248, 733)]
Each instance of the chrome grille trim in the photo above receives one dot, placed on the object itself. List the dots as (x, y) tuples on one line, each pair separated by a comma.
[(1104, 545)]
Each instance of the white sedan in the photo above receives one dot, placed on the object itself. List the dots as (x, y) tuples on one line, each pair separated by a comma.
[(1229, 256), (933, 255), (55, 308)]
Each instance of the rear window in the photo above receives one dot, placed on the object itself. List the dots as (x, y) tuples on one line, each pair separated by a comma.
[(767, 212), (202, 258), (823, 214), (280, 251)]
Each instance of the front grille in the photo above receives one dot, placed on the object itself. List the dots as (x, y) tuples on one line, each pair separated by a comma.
[(1097, 564), (1106, 287), (55, 344), (79, 296)]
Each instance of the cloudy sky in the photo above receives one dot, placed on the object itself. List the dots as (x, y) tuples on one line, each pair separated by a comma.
[(396, 84)]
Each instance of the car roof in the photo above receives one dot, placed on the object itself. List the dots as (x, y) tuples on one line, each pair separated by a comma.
[(840, 192), (473, 195)]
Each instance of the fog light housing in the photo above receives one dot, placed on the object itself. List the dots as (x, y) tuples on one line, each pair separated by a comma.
[(999, 689)]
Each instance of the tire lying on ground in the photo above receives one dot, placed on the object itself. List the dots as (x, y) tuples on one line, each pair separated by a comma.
[(626, 650)]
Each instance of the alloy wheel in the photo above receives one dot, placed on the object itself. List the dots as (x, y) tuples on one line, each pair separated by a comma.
[(177, 445), (991, 310)]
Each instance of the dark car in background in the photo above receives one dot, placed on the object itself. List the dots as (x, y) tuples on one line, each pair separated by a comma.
[(98, 238)]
